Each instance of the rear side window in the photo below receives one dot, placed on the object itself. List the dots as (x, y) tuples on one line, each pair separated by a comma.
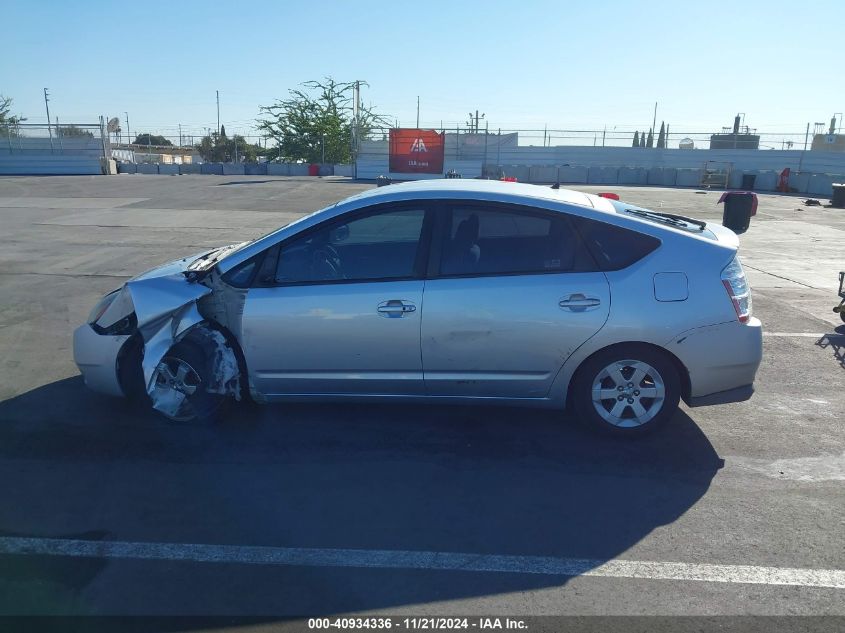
[(613, 247), (501, 241)]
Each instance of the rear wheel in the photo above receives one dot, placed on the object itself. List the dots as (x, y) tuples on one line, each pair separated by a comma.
[(180, 381), (627, 390)]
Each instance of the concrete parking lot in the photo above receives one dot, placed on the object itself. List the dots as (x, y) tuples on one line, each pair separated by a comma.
[(438, 510)]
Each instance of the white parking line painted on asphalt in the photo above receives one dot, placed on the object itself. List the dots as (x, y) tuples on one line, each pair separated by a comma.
[(812, 469), (799, 334), (448, 561)]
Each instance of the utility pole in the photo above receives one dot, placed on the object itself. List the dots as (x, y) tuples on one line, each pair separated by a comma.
[(486, 135), (499, 148), (49, 129), (474, 121), (59, 137), (418, 111), (180, 135), (218, 112), (356, 104), (654, 122), (128, 136), (801, 160)]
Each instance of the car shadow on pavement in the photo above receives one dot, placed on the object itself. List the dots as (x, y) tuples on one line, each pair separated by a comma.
[(836, 343), (469, 479)]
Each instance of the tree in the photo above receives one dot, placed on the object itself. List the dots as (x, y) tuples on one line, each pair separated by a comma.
[(150, 139), (636, 142), (5, 108), (642, 139), (218, 148), (7, 120), (650, 140), (661, 137), (314, 124), (71, 131)]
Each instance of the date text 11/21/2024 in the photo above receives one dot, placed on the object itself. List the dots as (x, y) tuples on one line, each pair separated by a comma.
[(417, 623)]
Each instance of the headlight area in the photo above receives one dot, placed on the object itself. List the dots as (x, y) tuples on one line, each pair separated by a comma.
[(114, 314)]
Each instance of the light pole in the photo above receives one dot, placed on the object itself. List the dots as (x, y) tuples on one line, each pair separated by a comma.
[(128, 136)]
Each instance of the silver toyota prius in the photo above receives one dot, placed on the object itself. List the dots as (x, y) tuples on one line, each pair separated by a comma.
[(443, 291)]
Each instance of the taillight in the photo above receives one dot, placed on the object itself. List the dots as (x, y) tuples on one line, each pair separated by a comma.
[(733, 278)]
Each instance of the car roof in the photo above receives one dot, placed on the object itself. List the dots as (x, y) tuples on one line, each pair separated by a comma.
[(479, 189)]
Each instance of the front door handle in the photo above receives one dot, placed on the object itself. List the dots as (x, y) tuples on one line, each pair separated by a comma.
[(396, 308), (579, 302)]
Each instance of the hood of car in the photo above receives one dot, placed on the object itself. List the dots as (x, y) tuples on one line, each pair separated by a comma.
[(197, 262), (171, 268)]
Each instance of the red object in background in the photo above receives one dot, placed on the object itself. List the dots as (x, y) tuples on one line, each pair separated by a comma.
[(415, 151), (783, 181), (508, 179), (313, 170), (609, 196)]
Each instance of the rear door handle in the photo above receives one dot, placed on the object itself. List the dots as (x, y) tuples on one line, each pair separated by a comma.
[(396, 308), (579, 302)]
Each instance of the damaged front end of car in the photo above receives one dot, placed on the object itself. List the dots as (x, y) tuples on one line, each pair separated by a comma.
[(147, 318)]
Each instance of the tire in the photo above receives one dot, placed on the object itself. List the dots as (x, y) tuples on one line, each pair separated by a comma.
[(628, 375), (180, 378)]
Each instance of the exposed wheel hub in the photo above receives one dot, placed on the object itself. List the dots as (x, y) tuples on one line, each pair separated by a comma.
[(175, 381)]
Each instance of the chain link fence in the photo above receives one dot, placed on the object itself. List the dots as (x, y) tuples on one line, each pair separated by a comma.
[(61, 139)]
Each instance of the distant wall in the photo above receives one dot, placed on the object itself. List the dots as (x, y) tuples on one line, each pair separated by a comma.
[(33, 156), (47, 165), (233, 169), (373, 168), (624, 165), (32, 145)]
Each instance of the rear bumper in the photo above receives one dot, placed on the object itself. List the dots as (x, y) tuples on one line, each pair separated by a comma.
[(722, 361), (738, 394), (96, 356)]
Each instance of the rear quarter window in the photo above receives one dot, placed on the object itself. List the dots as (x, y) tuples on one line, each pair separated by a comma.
[(613, 247)]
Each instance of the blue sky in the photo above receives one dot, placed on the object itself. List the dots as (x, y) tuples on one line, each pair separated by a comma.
[(525, 64)]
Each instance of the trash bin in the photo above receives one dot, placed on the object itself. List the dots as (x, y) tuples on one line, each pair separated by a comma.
[(313, 170), (838, 199), (748, 181), (739, 207)]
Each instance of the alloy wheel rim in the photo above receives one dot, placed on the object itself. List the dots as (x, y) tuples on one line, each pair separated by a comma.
[(176, 379), (628, 393)]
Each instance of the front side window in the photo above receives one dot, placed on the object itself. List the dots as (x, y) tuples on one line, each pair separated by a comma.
[(379, 246), (483, 241)]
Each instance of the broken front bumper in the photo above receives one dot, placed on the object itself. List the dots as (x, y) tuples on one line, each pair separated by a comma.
[(96, 356)]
